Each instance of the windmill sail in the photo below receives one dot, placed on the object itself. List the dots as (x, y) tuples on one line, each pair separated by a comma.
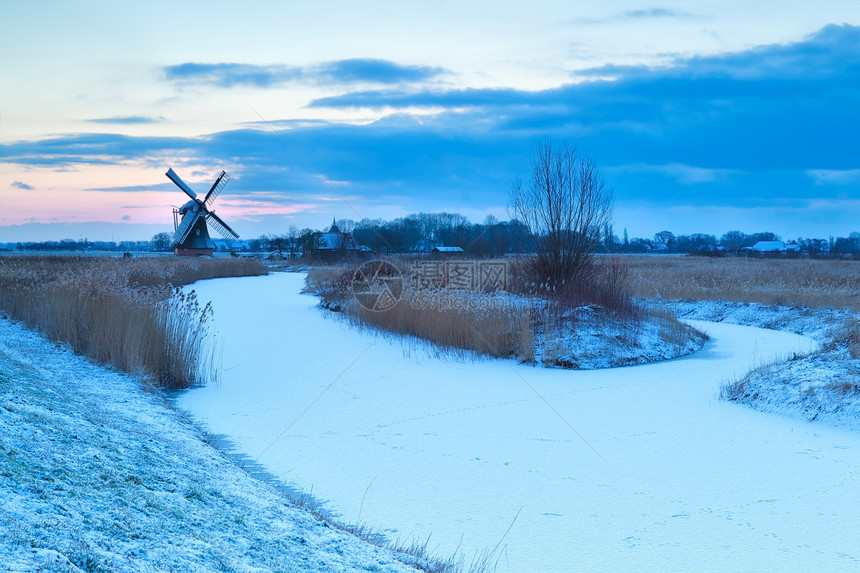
[(216, 188), (181, 184), (221, 226)]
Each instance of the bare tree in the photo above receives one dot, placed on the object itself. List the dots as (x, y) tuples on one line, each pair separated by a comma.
[(346, 225), (294, 244), (277, 243), (162, 241), (565, 206), (733, 241)]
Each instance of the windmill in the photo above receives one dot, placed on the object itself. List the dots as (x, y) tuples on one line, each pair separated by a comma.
[(192, 236)]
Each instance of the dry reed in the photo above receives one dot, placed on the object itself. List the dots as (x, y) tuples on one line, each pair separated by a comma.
[(452, 319), (494, 330), (812, 283), (501, 324), (126, 312)]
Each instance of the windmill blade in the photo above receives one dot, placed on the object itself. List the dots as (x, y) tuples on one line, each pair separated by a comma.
[(216, 188), (221, 226), (180, 183)]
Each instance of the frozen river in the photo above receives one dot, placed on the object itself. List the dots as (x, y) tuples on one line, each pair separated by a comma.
[(639, 468)]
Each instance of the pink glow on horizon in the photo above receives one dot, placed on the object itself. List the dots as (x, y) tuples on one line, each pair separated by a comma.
[(32, 195), (71, 206)]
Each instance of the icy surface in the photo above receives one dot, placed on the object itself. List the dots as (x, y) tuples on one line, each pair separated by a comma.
[(639, 468)]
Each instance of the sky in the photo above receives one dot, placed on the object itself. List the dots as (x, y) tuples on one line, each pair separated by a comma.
[(703, 117)]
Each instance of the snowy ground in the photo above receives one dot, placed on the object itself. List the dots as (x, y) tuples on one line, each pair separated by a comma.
[(98, 475), (815, 323), (592, 340), (823, 386), (639, 468)]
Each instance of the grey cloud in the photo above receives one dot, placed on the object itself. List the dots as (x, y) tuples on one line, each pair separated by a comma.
[(356, 70), (22, 185)]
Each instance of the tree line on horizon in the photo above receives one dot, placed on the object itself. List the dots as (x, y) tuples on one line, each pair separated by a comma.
[(489, 238)]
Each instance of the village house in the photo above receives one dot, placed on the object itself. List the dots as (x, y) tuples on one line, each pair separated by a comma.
[(331, 242), (440, 250), (775, 247)]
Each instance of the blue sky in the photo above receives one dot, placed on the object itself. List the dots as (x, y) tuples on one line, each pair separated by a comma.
[(703, 116)]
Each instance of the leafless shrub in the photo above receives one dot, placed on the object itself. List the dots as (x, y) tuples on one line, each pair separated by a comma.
[(603, 282)]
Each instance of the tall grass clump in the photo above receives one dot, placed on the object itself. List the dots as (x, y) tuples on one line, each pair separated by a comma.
[(126, 312), (458, 320), (493, 330)]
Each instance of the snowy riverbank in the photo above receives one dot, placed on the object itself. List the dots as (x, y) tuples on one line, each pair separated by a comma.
[(638, 468), (98, 475), (822, 386)]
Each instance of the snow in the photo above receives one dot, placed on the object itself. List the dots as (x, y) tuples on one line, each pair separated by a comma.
[(815, 323), (823, 386), (589, 340), (98, 475), (637, 468)]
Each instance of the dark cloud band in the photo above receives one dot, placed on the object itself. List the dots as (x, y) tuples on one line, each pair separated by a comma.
[(767, 125), (357, 70)]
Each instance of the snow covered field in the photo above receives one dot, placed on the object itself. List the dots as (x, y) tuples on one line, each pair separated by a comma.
[(638, 468)]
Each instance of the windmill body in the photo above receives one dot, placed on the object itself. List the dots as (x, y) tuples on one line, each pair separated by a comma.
[(190, 221)]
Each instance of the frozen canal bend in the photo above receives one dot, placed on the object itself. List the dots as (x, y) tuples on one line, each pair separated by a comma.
[(415, 445)]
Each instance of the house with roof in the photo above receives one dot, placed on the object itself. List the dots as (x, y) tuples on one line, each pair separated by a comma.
[(768, 247), (425, 246), (231, 246), (446, 250), (775, 247), (331, 242)]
